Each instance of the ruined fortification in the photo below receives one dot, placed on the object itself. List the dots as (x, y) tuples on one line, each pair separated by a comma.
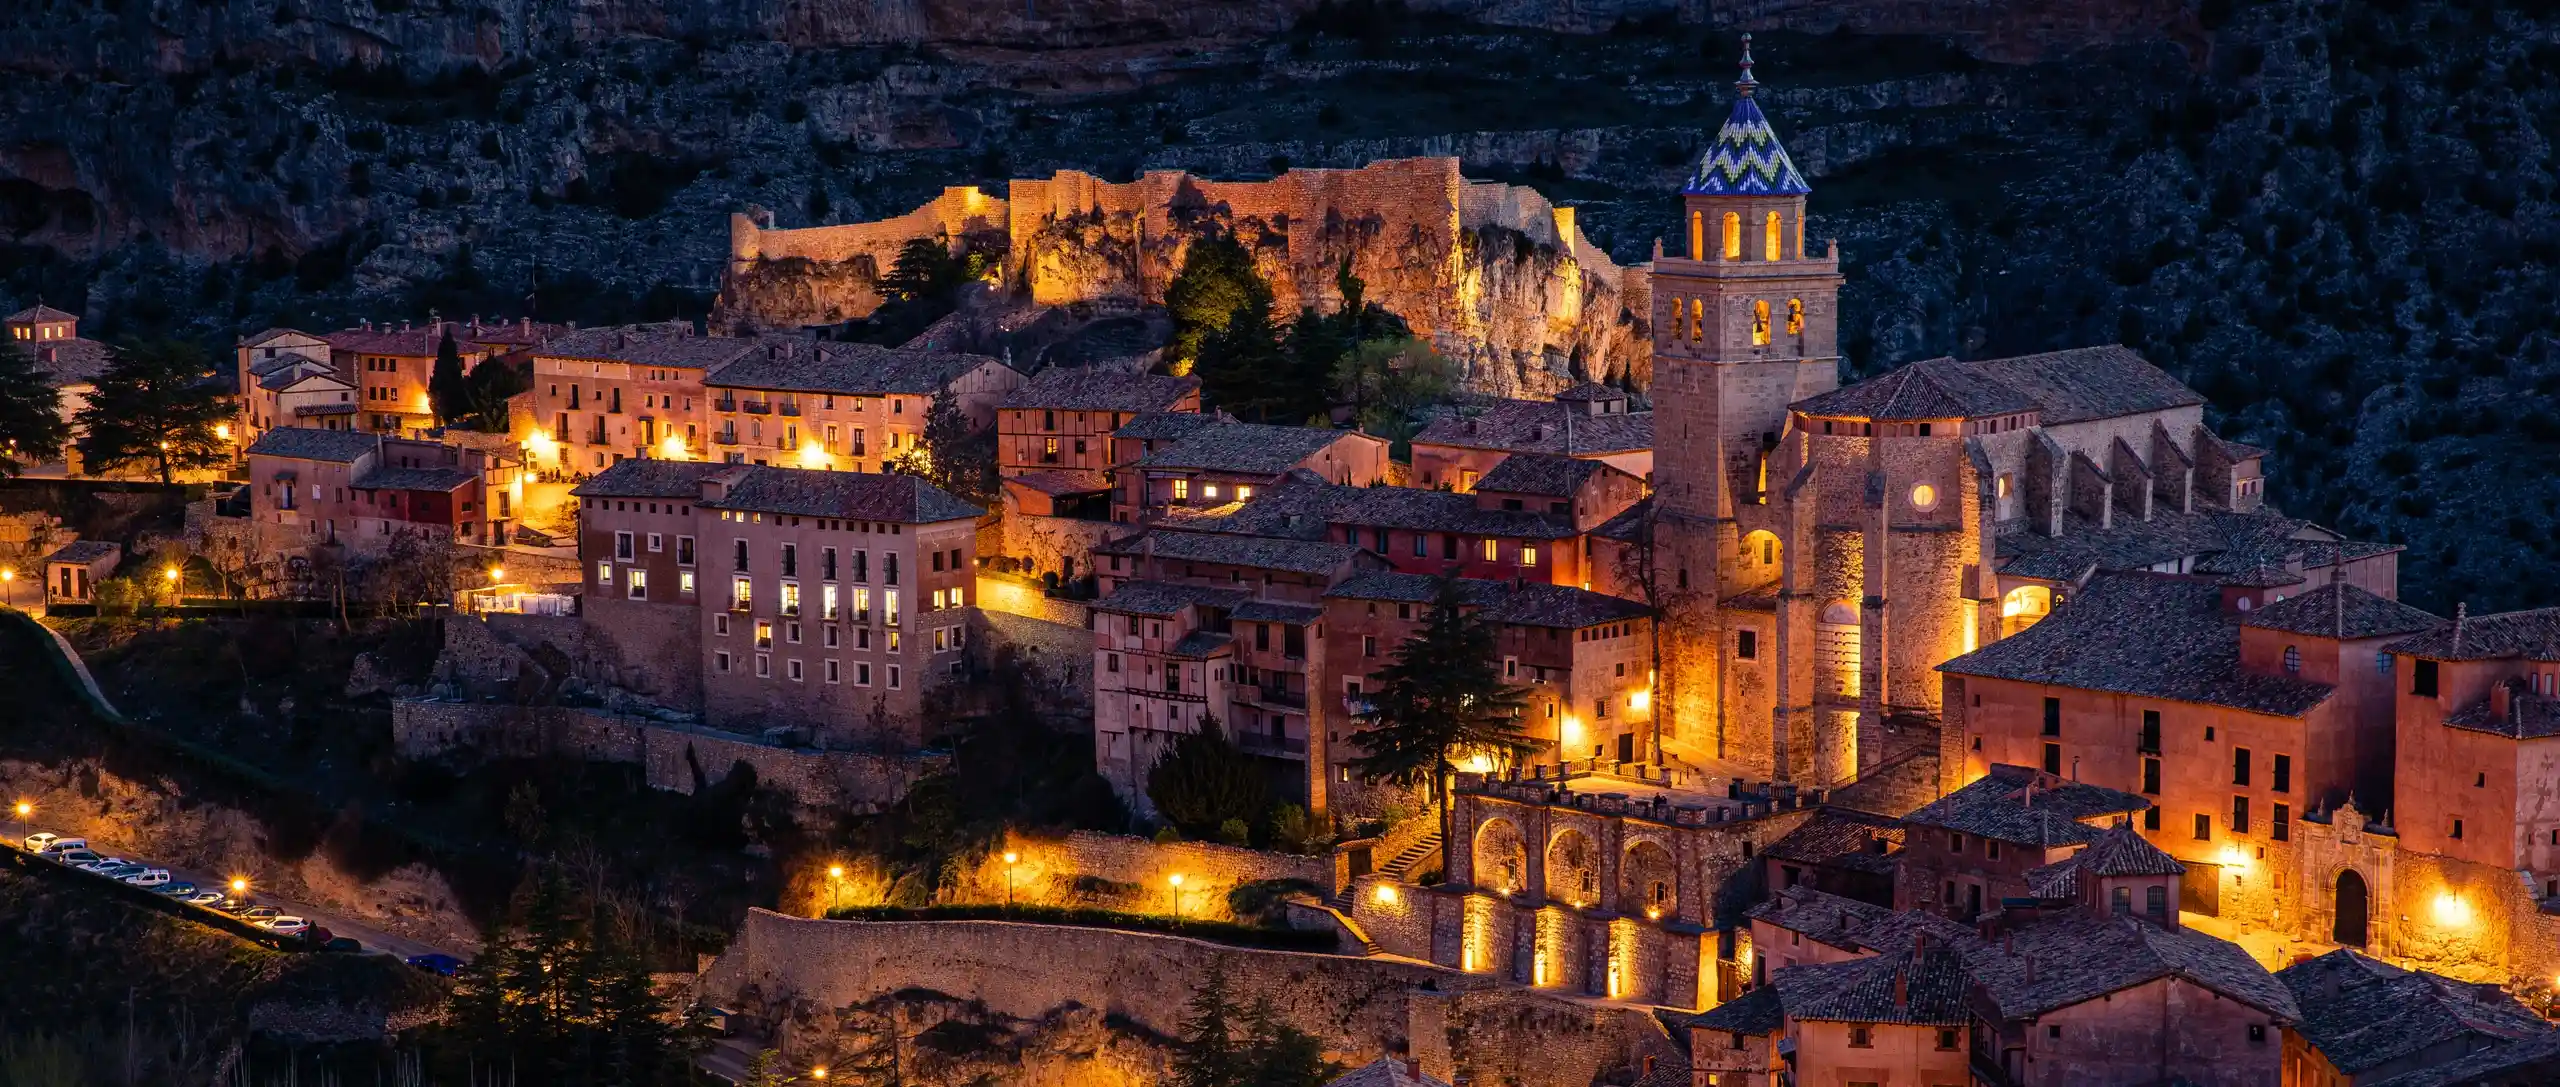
[(1495, 275)]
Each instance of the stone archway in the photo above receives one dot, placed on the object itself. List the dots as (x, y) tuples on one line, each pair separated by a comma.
[(1573, 869), (1501, 861), (1648, 881), (2353, 905), (1836, 651)]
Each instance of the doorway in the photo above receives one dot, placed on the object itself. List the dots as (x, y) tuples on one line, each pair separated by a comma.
[(2352, 910)]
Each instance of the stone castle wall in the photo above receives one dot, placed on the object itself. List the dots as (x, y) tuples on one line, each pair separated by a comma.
[(797, 971), (1495, 274), (671, 757), (1119, 872)]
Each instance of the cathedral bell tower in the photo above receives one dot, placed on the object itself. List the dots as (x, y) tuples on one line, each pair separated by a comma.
[(1745, 322)]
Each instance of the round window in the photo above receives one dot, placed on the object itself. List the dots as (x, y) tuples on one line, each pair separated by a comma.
[(1924, 497)]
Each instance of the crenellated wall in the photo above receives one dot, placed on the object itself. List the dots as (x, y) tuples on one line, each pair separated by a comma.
[(1496, 275)]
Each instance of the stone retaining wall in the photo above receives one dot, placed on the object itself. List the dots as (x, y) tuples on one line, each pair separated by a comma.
[(1119, 872), (672, 757)]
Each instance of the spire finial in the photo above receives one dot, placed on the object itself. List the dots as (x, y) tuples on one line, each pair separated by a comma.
[(1746, 84)]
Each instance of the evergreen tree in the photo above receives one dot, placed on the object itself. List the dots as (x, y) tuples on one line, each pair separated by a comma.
[(1442, 696), (31, 426), (925, 268), (494, 383), (448, 390), (1209, 1053), (1216, 282), (1277, 1054), (765, 1070), (1204, 780), (1243, 368), (956, 456), (153, 405)]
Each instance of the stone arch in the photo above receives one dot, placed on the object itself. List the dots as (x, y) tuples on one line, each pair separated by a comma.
[(1763, 553), (2023, 606), (1760, 322), (1769, 239), (2351, 902), (1795, 317), (1501, 861), (1573, 868), (1732, 235), (1648, 880), (1697, 235)]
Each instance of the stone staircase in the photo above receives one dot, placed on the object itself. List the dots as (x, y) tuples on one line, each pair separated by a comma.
[(1414, 858)]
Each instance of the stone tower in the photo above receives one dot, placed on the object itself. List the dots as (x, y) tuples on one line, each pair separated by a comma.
[(1744, 324)]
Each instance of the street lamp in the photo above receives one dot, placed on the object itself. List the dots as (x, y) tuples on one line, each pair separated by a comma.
[(1176, 881), (22, 811), (835, 885), (819, 1072), (9, 586), (239, 887), (1010, 859), (495, 573), (177, 583)]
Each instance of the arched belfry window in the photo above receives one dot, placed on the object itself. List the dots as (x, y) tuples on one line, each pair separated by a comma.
[(1732, 235), (1697, 235), (1769, 239), (1697, 320), (1760, 323), (1795, 317)]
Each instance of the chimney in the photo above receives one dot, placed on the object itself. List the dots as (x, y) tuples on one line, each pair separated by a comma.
[(1902, 988), (2461, 614), (2502, 701), (526, 325), (1413, 1069), (1919, 943)]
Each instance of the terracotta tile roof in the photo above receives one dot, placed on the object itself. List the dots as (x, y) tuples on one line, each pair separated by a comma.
[(39, 314), (85, 552), (2362, 1014), (421, 341), (2233, 546), (1842, 838), (1628, 525), (2529, 716), (1275, 611), (1251, 448), (73, 361), (2341, 611), (1929, 389), (651, 479), (2533, 635), (1540, 426), (2118, 852), (313, 443), (1924, 988), (1415, 588), (415, 479), (304, 411), (852, 369), (2072, 957), (1167, 598), (2531, 1060), (2147, 635), (285, 377), (1074, 389), (1418, 510), (1590, 392), (1850, 924), (1756, 1012), (1166, 426), (1561, 606), (650, 345), (263, 338), (1201, 644), (1064, 481), (860, 496), (1259, 552), (2023, 805), (1541, 474), (1383, 1072)]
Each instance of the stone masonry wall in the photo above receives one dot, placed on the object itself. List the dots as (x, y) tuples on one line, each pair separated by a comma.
[(674, 758), (1119, 872), (790, 969)]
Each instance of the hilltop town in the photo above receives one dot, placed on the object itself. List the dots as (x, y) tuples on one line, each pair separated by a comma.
[(1569, 678)]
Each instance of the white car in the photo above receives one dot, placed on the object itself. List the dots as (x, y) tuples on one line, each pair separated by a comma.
[(64, 845), (287, 925), (149, 877), (102, 863), (38, 841), (72, 857)]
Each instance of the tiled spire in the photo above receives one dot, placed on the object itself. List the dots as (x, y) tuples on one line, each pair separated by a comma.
[(1746, 159)]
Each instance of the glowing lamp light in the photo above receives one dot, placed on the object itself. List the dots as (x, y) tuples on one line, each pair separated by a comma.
[(2451, 910), (1174, 879), (497, 573), (819, 1072), (239, 886), (8, 575), (672, 447), (2232, 857), (222, 431), (835, 871), (1652, 913), (25, 809), (1479, 763), (1385, 894), (541, 443), (1010, 858), (813, 455), (1640, 700), (169, 573)]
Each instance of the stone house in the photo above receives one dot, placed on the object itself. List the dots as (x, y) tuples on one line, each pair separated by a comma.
[(318, 487), (1226, 462), (286, 379), (1898, 1016), (1841, 851), (841, 406), (1589, 421), (51, 338), (1966, 852), (604, 395), (2367, 1022), (391, 367), (73, 571), (1063, 419), (824, 602)]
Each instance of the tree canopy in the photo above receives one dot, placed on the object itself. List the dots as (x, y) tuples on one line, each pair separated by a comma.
[(1224, 1045), (1441, 697), (448, 387), (154, 405), (561, 999), (956, 455), (31, 427), (1204, 780), (1216, 281)]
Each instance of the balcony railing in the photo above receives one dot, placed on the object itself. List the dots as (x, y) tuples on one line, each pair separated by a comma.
[(724, 404), (725, 438), (756, 407), (792, 410), (1278, 696), (1260, 741)]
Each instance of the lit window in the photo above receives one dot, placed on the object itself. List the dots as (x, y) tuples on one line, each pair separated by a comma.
[(1243, 491), (1210, 490), (604, 573), (1528, 554), (639, 582), (684, 582), (1924, 496), (1181, 490), (1492, 550)]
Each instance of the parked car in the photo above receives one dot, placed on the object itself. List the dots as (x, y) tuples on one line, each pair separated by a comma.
[(73, 858), (260, 914), (102, 862), (179, 890), (204, 898), (286, 925), (117, 870), (319, 936), (437, 963), (341, 943), (65, 845), (40, 839), (232, 905), (149, 878)]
